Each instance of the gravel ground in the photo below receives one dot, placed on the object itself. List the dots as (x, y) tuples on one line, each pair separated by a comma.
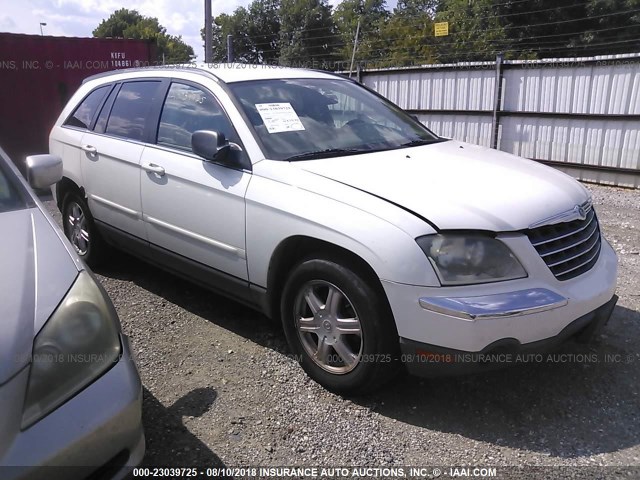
[(220, 388)]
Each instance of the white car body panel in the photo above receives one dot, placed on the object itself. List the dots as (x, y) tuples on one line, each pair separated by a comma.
[(374, 205), (112, 181), (455, 184), (277, 211), (196, 209), (66, 146)]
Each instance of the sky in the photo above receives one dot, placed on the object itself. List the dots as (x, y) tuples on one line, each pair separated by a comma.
[(78, 18)]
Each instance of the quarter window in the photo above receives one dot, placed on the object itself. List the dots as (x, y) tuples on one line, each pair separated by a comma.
[(103, 116), (188, 109), (85, 112), (131, 109)]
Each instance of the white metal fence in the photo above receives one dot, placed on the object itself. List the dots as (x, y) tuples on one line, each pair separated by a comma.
[(580, 114)]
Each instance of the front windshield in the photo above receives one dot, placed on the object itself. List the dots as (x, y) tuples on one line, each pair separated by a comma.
[(299, 119)]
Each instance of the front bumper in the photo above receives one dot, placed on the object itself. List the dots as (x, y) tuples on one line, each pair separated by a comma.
[(507, 304), (471, 318), (426, 360), (98, 433)]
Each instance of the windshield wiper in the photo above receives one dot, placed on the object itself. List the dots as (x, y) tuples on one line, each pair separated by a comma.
[(417, 143), (329, 152)]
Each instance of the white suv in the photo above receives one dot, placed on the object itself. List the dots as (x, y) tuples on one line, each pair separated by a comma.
[(315, 200)]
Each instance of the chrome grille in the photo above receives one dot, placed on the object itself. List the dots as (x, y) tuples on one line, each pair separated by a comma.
[(571, 248)]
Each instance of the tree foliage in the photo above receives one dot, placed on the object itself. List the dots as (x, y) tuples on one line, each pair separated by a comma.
[(125, 23), (373, 16), (255, 33), (408, 34), (475, 31), (559, 28), (308, 31)]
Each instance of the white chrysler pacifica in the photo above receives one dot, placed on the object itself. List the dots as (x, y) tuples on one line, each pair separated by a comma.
[(313, 199)]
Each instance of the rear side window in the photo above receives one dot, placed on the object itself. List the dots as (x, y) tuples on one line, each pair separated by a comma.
[(101, 121), (188, 109), (85, 112), (131, 109)]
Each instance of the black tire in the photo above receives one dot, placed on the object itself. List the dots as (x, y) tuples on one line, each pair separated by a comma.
[(84, 235), (356, 303)]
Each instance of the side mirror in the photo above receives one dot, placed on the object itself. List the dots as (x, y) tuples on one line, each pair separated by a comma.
[(43, 170), (210, 145)]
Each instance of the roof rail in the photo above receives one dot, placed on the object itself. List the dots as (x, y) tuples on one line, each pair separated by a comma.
[(180, 66)]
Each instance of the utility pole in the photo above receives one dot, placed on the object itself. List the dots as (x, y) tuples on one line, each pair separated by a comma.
[(208, 23), (229, 48), (497, 100), (42, 24), (355, 45)]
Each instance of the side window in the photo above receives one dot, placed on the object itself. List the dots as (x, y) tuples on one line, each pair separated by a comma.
[(103, 116), (131, 109), (188, 109), (82, 116)]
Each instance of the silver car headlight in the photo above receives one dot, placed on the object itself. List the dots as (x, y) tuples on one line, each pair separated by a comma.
[(79, 342), (461, 259)]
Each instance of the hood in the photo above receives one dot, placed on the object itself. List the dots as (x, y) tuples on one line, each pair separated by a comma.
[(37, 271), (455, 185)]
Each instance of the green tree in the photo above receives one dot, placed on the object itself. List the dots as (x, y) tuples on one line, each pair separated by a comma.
[(126, 23), (614, 27), (475, 31), (255, 32), (264, 29), (408, 34), (307, 33), (563, 28), (235, 25), (372, 15)]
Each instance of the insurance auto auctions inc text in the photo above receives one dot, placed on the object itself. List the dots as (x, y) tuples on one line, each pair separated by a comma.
[(376, 472)]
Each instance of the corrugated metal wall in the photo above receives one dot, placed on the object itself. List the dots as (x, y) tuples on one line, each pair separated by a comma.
[(578, 113)]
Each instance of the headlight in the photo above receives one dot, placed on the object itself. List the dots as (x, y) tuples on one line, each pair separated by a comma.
[(77, 344), (460, 259)]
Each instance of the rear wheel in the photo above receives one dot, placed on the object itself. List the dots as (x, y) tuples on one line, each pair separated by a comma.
[(339, 327), (81, 231)]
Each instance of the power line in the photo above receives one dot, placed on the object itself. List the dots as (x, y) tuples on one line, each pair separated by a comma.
[(519, 43), (491, 51), (512, 27), (533, 40)]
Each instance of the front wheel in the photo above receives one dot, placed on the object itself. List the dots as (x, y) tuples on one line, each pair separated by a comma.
[(339, 326)]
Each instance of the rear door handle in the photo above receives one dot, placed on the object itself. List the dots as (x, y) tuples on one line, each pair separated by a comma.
[(89, 149), (152, 167)]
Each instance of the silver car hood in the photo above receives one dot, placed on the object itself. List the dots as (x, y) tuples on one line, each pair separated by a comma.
[(37, 271), (457, 185)]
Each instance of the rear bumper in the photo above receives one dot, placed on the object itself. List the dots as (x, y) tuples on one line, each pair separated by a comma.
[(96, 434), (426, 360)]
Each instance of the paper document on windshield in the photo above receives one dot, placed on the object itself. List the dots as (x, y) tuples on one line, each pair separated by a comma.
[(279, 117)]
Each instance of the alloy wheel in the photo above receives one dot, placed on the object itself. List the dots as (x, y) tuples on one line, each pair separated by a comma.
[(77, 226), (328, 326)]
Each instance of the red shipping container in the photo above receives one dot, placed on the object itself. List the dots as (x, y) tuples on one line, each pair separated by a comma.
[(38, 74)]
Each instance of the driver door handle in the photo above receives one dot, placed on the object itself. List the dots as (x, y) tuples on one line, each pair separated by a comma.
[(152, 167), (89, 149)]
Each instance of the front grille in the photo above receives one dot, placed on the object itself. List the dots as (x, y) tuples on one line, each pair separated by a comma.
[(571, 248)]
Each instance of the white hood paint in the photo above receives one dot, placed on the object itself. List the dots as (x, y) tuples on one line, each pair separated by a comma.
[(458, 186), (37, 271)]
